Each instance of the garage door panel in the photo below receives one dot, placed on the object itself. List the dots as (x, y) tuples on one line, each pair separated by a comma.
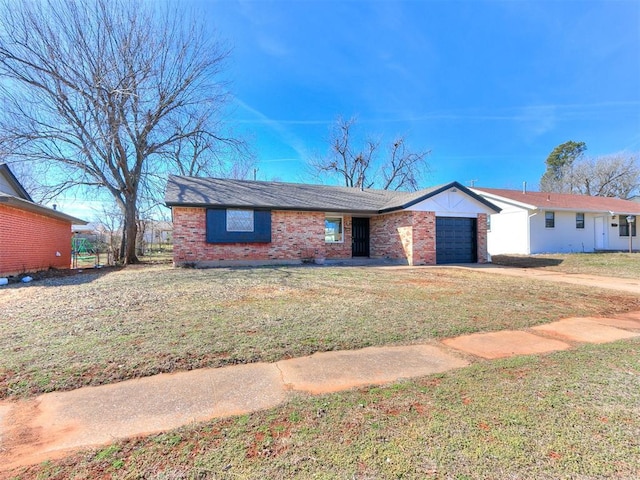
[(456, 240)]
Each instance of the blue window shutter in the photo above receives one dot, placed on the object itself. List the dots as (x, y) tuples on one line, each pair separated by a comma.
[(217, 228), (262, 226)]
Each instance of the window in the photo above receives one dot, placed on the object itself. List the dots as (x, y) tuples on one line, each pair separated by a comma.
[(488, 223), (239, 220), (333, 230), (579, 220), (549, 219), (624, 226)]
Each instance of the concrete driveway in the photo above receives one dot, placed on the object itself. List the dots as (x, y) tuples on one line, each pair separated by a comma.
[(629, 285)]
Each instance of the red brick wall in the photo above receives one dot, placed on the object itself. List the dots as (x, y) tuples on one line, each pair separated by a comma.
[(424, 238), (29, 241), (481, 227), (407, 236), (390, 234), (404, 236), (295, 236)]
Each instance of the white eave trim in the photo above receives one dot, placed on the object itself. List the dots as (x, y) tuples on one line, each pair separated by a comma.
[(505, 200)]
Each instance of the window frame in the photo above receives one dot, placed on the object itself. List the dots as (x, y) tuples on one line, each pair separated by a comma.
[(549, 219), (580, 220), (623, 226), (327, 218), (248, 220)]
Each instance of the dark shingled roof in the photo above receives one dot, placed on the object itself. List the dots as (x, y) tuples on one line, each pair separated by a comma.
[(216, 192)]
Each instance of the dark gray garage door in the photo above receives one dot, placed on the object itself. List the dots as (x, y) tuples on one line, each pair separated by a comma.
[(456, 240)]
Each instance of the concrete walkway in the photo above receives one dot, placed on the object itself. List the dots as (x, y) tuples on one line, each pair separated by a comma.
[(54, 424)]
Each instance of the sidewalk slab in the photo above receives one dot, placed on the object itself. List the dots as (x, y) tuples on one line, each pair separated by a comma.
[(341, 370), (628, 322), (585, 329), (630, 315), (506, 343), (60, 421)]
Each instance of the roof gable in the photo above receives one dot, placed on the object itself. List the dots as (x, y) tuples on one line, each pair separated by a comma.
[(414, 198), (455, 202), (561, 201), (10, 185), (13, 193)]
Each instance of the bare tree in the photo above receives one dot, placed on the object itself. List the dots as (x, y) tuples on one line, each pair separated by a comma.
[(403, 169), (109, 223), (111, 94), (616, 175), (359, 166)]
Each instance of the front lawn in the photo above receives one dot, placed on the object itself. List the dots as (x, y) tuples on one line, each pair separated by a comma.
[(110, 325), (568, 415), (624, 265)]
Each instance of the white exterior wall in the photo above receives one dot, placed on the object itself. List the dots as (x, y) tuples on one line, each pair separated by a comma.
[(613, 239), (564, 237), (509, 233)]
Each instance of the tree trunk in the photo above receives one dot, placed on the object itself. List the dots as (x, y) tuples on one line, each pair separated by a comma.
[(130, 233)]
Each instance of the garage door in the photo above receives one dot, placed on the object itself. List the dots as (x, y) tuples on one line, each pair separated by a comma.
[(456, 240)]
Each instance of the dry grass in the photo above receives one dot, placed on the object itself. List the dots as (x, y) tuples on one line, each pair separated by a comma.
[(623, 265), (569, 415), (104, 326)]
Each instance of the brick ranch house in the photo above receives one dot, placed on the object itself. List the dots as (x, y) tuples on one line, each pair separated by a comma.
[(222, 222), (32, 237)]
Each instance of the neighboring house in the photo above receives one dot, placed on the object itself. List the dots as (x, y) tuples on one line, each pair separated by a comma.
[(541, 222), (234, 222), (156, 232), (32, 237)]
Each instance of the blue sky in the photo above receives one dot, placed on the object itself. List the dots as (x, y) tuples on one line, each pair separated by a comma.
[(490, 87)]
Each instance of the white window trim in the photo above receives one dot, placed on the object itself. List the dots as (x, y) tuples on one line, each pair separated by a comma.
[(341, 217), (554, 218)]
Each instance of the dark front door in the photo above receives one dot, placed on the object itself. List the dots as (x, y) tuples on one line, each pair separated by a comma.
[(456, 240), (359, 237)]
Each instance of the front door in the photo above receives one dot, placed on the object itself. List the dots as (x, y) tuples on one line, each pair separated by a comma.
[(359, 237)]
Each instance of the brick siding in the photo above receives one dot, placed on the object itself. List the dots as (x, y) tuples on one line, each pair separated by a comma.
[(295, 237), (407, 236), (403, 236), (481, 226), (29, 241)]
